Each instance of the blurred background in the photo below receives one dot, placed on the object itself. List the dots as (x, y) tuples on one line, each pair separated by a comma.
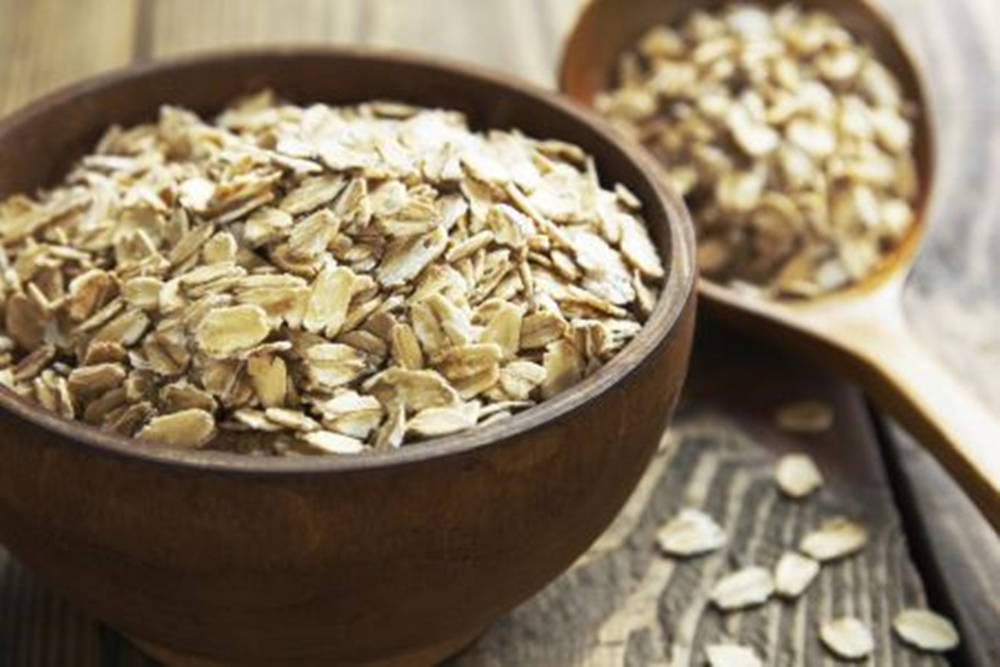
[(953, 299)]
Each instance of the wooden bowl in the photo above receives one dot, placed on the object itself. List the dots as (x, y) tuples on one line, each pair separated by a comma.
[(402, 557)]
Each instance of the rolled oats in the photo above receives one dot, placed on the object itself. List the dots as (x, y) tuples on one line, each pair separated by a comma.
[(808, 416), (847, 637), (334, 443), (790, 142), (432, 422), (793, 574), (925, 630), (797, 475), (748, 587), (690, 533), (186, 428), (835, 538), (343, 279)]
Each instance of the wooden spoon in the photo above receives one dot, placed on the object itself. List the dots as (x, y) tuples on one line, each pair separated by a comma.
[(862, 329)]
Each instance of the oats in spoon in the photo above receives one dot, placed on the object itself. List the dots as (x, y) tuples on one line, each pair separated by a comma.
[(790, 141)]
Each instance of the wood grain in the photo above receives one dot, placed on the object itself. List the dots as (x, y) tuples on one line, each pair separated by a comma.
[(952, 301), (185, 26), (46, 43)]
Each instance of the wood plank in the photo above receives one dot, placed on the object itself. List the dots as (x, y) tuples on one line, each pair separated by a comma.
[(183, 26), (957, 552), (516, 36), (46, 43), (502, 34)]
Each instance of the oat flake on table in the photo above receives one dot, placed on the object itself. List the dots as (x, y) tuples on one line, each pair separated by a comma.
[(793, 574), (797, 475), (925, 629), (312, 279), (731, 655), (835, 538), (806, 417), (690, 533), (847, 637), (748, 587)]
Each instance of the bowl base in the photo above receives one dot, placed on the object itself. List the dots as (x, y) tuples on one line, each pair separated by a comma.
[(421, 657)]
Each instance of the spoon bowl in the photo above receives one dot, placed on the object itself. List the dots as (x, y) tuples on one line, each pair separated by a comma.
[(862, 328)]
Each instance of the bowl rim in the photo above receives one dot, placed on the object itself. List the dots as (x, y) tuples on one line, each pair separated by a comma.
[(678, 287)]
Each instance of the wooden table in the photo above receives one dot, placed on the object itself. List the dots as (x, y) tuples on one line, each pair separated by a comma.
[(622, 604)]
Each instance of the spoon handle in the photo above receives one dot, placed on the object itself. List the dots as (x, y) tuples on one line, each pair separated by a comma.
[(905, 378), (869, 339)]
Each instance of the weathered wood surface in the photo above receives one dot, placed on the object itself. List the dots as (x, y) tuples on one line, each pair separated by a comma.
[(622, 604), (953, 298)]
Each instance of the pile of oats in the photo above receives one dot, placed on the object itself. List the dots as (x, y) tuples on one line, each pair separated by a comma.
[(790, 142), (292, 279)]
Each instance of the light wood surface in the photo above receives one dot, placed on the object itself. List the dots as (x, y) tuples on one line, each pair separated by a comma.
[(952, 301)]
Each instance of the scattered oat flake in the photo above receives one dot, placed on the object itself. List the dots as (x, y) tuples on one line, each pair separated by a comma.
[(847, 637), (797, 475), (793, 574), (835, 538), (731, 655), (810, 416), (748, 587), (925, 629), (690, 533)]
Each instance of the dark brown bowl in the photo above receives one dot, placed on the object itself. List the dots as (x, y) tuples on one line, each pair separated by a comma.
[(406, 555)]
